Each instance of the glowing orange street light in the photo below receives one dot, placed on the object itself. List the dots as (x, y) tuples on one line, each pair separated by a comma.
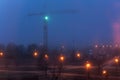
[(35, 54), (88, 65), (46, 56), (78, 55), (116, 60), (62, 58), (1, 53), (104, 72), (117, 63)]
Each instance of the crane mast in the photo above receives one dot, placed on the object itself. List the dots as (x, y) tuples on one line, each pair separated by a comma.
[(45, 35)]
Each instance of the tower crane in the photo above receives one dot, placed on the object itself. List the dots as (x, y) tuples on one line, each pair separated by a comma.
[(45, 27)]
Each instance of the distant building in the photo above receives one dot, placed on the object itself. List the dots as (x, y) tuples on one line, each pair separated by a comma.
[(116, 22)]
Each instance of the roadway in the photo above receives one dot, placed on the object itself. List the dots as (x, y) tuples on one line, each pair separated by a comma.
[(69, 72)]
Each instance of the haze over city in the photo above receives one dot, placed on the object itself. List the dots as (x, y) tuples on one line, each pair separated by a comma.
[(92, 23), (59, 39)]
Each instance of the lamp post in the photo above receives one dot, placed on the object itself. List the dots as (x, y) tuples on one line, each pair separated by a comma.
[(1, 54), (78, 55), (35, 54), (88, 66), (105, 74), (46, 57), (61, 59), (116, 60)]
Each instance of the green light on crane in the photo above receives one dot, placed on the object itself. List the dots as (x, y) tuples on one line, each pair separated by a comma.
[(46, 17)]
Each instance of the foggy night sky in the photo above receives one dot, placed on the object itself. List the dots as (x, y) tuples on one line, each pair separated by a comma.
[(92, 24)]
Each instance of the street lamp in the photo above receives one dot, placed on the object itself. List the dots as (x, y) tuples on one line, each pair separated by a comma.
[(1, 54), (88, 66), (35, 54), (105, 74), (78, 55), (62, 58), (117, 62), (46, 64), (46, 56)]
